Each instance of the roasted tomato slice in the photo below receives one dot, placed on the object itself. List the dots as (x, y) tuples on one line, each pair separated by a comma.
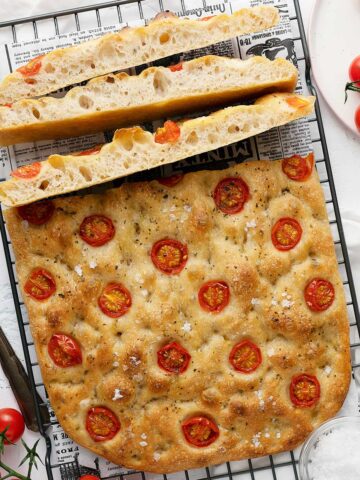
[(27, 171), (102, 424), (37, 213), (115, 300), (32, 67), (169, 133), (214, 296), (40, 285), (245, 357), (97, 230), (231, 194), (89, 151), (286, 233), (298, 168), (200, 431), (304, 390), (172, 180), (319, 294), (169, 256), (173, 358), (176, 68), (64, 350)]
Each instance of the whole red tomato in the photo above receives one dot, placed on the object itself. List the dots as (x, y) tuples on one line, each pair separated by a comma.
[(89, 477), (357, 118), (354, 70), (11, 418)]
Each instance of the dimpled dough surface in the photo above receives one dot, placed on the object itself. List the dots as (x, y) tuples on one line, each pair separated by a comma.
[(253, 411)]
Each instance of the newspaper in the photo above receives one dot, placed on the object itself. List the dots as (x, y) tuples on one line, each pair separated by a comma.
[(71, 459)]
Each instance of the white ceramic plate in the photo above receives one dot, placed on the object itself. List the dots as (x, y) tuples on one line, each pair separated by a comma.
[(334, 43)]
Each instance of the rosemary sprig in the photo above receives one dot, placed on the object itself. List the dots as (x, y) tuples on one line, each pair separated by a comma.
[(353, 86), (30, 458)]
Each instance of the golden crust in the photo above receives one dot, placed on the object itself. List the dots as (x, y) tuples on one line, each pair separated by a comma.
[(254, 412)]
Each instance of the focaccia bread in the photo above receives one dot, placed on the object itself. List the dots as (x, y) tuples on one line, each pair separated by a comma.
[(134, 149), (189, 321), (166, 35), (120, 100)]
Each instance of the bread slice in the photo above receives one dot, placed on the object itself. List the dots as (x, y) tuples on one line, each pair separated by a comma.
[(166, 35), (133, 149), (120, 100)]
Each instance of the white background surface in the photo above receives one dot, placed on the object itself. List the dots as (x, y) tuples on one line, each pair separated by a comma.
[(344, 150)]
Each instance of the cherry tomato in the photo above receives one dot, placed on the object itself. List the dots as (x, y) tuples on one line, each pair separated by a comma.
[(176, 68), (9, 105), (297, 102), (214, 296), (89, 151), (286, 233), (357, 118), (172, 180), (27, 171), (304, 390), (173, 358), (169, 133), (64, 350), (102, 424), (32, 67), (245, 357), (231, 194), (115, 300), (298, 168), (169, 256), (200, 431), (11, 418), (89, 477), (354, 70), (319, 294), (97, 230), (37, 213), (40, 285)]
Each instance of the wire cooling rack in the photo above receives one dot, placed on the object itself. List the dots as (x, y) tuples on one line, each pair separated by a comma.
[(276, 467)]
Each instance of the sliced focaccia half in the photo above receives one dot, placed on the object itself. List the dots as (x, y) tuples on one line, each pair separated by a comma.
[(166, 35), (114, 101), (134, 149)]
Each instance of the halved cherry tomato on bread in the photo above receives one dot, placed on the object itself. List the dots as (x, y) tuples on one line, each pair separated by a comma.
[(304, 390), (286, 233), (169, 256), (64, 350), (37, 213), (172, 180), (14, 422), (40, 285), (169, 133), (102, 424), (297, 102), (200, 431), (89, 151), (32, 67), (231, 194), (176, 68), (214, 296), (354, 70), (245, 357), (115, 300), (173, 358), (96, 230), (298, 168), (319, 294), (27, 171)]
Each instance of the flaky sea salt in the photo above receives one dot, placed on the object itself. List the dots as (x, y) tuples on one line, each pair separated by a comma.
[(286, 303), (255, 440), (336, 455), (327, 370), (78, 270), (143, 436), (117, 394), (135, 361), (143, 444), (187, 208), (116, 364), (255, 301), (186, 327), (92, 264), (251, 224), (156, 456)]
